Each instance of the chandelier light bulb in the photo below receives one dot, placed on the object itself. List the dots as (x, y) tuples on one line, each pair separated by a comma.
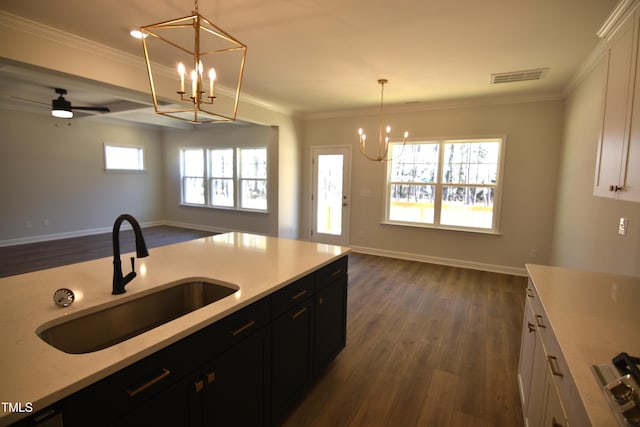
[(181, 71), (212, 82), (194, 84)]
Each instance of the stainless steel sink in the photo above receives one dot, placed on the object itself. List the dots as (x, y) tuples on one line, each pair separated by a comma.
[(101, 329)]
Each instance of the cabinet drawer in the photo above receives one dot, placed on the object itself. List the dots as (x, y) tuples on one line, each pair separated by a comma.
[(293, 294), (331, 272), (237, 326)]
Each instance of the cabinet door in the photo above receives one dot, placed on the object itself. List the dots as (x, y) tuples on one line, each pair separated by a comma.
[(620, 74), (536, 405), (168, 408), (237, 384), (527, 349), (330, 323), (554, 414), (292, 335)]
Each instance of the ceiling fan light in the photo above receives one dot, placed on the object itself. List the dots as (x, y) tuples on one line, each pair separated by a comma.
[(62, 114)]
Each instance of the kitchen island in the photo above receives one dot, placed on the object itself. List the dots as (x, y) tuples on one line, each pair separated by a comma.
[(574, 320), (36, 375)]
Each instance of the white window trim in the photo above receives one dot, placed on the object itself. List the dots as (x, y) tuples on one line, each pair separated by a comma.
[(140, 148), (497, 199)]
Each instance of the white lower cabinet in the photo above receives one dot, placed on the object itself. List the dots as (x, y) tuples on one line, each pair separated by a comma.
[(545, 386)]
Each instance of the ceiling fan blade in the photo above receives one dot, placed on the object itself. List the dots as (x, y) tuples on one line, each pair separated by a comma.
[(30, 100), (100, 109)]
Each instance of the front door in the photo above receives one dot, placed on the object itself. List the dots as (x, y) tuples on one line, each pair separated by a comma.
[(330, 195)]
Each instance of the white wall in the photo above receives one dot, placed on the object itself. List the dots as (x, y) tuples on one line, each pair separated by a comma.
[(586, 227), (533, 141), (52, 176)]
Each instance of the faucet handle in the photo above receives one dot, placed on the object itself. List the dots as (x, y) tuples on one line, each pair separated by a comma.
[(133, 264)]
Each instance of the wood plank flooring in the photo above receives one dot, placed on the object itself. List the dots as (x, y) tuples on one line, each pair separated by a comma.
[(427, 345), (38, 256)]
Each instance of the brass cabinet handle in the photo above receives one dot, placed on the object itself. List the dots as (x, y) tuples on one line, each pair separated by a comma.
[(211, 377), (336, 272), (299, 294), (198, 386), (298, 313), (554, 369), (531, 327), (539, 321), (241, 329), (143, 387)]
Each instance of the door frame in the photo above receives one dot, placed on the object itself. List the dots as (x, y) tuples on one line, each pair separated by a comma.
[(343, 239)]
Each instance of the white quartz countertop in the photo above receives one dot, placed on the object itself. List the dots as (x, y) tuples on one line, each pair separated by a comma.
[(33, 372), (594, 316)]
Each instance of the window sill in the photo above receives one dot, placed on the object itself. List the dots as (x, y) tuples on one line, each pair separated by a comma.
[(222, 208), (442, 227)]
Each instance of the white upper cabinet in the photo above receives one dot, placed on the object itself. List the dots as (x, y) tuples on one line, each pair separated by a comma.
[(618, 161)]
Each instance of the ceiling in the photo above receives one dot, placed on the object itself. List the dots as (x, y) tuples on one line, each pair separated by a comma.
[(313, 56)]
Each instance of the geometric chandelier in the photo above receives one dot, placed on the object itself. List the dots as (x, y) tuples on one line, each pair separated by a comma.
[(381, 154), (208, 68)]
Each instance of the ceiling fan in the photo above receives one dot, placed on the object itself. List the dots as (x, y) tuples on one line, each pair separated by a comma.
[(63, 109)]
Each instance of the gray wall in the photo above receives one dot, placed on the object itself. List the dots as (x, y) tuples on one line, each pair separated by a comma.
[(533, 134), (52, 176), (229, 135), (586, 227)]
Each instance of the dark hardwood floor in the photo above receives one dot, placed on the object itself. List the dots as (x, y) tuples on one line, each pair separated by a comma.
[(427, 345), (39, 256)]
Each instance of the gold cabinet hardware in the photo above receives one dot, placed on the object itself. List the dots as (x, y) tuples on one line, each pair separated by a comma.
[(143, 387), (241, 329), (198, 386), (298, 313), (211, 377), (299, 294), (540, 322), (553, 361)]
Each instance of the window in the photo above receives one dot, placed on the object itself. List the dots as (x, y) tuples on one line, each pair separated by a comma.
[(118, 157), (233, 178), (451, 184)]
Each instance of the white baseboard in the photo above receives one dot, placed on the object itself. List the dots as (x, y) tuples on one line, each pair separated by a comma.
[(70, 234), (441, 261)]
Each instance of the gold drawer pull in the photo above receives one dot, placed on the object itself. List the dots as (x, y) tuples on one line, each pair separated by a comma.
[(554, 369), (243, 328), (539, 321), (336, 272), (198, 386), (299, 294), (298, 313), (211, 377), (143, 387)]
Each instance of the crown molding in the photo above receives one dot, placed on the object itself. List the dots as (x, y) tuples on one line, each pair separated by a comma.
[(414, 107), (615, 18)]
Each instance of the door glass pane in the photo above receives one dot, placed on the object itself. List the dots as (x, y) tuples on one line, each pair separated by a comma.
[(329, 194)]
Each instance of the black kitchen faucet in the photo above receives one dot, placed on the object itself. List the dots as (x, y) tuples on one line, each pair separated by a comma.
[(119, 281)]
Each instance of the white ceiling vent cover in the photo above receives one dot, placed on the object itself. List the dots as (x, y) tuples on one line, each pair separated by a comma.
[(518, 76)]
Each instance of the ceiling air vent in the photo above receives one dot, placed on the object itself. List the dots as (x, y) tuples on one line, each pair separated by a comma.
[(518, 76)]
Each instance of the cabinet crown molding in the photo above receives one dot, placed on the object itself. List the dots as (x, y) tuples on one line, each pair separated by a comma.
[(623, 9)]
